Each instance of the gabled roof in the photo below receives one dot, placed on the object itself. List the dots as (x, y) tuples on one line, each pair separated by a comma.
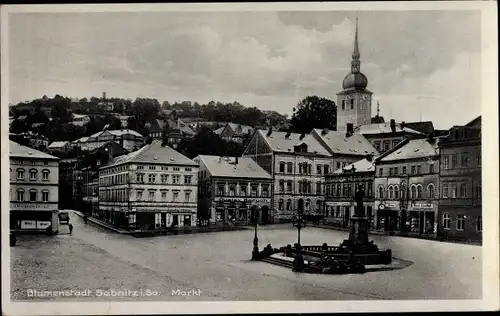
[(279, 143), (226, 167), (22, 117), (475, 122), (381, 128), (337, 143), (219, 130), (411, 149), (153, 153), (184, 127), (362, 165), (422, 127), (16, 150), (117, 132), (57, 144), (244, 128)]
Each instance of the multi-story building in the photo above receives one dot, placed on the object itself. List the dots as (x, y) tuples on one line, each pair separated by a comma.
[(154, 187), (33, 189), (341, 187), (297, 163), (127, 138), (60, 147), (233, 190), (460, 176), (407, 187)]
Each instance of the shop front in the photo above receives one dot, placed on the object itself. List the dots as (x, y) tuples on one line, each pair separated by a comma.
[(422, 218), (338, 213), (239, 211), (387, 216)]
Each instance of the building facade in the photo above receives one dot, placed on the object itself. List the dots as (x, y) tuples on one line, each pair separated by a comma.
[(152, 188), (236, 132), (407, 188), (460, 209), (341, 187), (34, 189), (128, 139), (233, 190)]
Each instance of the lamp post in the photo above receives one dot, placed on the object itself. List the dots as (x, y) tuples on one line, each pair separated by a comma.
[(255, 251), (300, 222)]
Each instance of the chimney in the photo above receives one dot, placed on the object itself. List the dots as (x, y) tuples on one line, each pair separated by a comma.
[(104, 96), (430, 138), (236, 160), (269, 132), (302, 136), (349, 130), (324, 132), (403, 124), (369, 157), (393, 125), (288, 134)]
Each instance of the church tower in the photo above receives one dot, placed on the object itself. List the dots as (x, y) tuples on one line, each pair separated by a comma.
[(354, 102)]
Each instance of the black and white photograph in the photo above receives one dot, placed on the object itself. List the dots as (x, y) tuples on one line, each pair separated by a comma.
[(249, 157)]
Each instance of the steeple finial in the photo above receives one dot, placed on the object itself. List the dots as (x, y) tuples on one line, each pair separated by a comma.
[(356, 64), (378, 108)]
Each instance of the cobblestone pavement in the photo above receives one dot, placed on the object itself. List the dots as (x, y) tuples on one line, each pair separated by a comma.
[(218, 264)]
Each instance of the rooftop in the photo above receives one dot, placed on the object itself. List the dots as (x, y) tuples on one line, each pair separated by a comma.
[(16, 150), (153, 153), (362, 165), (280, 143), (226, 167), (381, 128), (416, 148), (338, 143), (58, 144)]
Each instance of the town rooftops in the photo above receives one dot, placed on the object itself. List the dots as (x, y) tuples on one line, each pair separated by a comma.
[(362, 165), (244, 128), (227, 167), (20, 151), (382, 128), (219, 130), (57, 144), (412, 149), (338, 143), (423, 127), (153, 153), (279, 142), (117, 132)]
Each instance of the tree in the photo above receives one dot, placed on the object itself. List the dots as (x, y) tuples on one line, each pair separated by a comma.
[(206, 142), (314, 112)]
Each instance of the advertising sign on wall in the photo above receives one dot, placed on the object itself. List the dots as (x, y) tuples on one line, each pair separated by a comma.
[(28, 224), (43, 224)]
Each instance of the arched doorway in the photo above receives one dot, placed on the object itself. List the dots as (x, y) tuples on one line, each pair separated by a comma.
[(265, 215)]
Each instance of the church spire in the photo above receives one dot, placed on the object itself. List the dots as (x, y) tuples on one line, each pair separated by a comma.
[(355, 63)]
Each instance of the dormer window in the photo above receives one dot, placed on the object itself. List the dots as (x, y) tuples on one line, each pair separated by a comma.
[(302, 148)]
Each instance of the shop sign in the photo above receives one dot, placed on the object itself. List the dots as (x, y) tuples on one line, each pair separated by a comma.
[(339, 203), (29, 206), (43, 224), (28, 224), (422, 205)]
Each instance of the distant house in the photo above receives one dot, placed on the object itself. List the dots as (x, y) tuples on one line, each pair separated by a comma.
[(79, 119), (178, 130), (127, 138), (60, 146), (123, 119), (36, 140), (236, 132)]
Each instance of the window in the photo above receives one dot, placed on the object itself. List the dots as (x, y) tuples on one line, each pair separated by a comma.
[(454, 191), (282, 185), (288, 204), (152, 168), (338, 190), (187, 196), (463, 190), (309, 169), (395, 142), (308, 205), (176, 196), (45, 175), (338, 165), (465, 160), (282, 167), (391, 171), (318, 169), (177, 169), (413, 170), (381, 172), (280, 205), (454, 161), (460, 222), (318, 205), (343, 104), (33, 195), (20, 174), (140, 167), (45, 196), (220, 189), (164, 178), (151, 195), (370, 189), (352, 104), (289, 167), (478, 190), (403, 170), (243, 190), (403, 190), (446, 221), (391, 192), (445, 190), (140, 178), (396, 192), (479, 224), (254, 190), (265, 191), (20, 195), (139, 195), (396, 171), (187, 169), (386, 145), (381, 192), (164, 168), (430, 190), (289, 186), (419, 191), (164, 195), (318, 188), (413, 190), (187, 179), (176, 179), (446, 162), (431, 168), (33, 174), (151, 178), (377, 145), (419, 169), (232, 190)]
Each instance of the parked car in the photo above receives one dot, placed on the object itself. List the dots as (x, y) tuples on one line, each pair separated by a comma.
[(63, 217)]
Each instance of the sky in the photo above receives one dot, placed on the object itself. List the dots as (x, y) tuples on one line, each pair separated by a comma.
[(421, 65)]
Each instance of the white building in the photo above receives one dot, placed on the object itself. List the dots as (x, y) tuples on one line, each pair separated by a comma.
[(127, 138), (80, 119), (34, 189), (154, 187)]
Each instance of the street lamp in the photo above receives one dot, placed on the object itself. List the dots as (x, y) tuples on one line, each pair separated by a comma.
[(299, 220)]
